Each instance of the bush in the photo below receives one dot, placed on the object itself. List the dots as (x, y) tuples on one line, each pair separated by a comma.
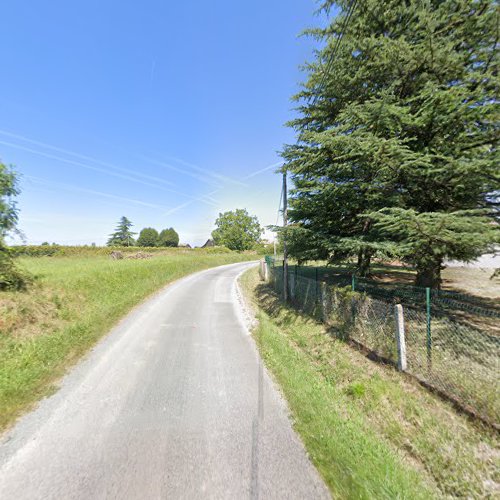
[(148, 237), (168, 238), (11, 277)]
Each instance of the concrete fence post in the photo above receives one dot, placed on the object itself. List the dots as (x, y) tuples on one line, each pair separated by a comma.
[(400, 337), (264, 270), (324, 302)]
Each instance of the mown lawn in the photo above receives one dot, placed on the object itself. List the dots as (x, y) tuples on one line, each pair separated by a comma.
[(74, 301), (371, 431)]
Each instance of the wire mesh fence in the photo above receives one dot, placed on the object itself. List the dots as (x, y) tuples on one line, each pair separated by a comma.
[(443, 346)]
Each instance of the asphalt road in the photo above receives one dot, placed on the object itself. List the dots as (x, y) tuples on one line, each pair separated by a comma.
[(173, 403)]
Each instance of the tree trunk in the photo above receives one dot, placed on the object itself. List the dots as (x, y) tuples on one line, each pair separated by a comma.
[(365, 254), (364, 260), (429, 274)]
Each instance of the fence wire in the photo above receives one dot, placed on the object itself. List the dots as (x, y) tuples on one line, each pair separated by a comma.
[(444, 349)]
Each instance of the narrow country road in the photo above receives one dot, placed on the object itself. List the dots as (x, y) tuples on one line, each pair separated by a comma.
[(173, 403)]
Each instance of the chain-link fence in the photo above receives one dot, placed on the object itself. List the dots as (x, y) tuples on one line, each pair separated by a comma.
[(445, 342)]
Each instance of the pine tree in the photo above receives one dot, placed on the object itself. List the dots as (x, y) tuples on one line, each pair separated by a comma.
[(122, 236), (397, 133)]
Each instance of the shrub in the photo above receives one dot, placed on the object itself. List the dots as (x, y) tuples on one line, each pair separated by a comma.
[(11, 277)]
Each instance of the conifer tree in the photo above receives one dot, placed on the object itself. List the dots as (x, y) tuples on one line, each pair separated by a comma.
[(397, 135), (122, 236)]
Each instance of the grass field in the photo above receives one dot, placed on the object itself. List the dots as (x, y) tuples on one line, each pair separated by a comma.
[(371, 431), (74, 301)]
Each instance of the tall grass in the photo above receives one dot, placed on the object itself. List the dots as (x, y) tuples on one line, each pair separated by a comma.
[(75, 301), (371, 431)]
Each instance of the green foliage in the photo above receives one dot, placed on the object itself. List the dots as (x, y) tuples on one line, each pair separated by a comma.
[(8, 210), (303, 244), (168, 238), (11, 277), (148, 237), (122, 236), (263, 248), (237, 230), (426, 239), (405, 118)]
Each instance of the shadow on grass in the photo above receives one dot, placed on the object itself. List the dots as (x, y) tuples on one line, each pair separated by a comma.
[(287, 315)]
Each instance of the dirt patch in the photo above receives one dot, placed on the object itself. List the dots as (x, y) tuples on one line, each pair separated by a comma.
[(140, 255)]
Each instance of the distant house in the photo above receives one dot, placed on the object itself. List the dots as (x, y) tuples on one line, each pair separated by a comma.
[(209, 243), (185, 245)]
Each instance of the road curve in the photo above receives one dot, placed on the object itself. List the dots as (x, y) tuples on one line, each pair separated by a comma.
[(173, 403)]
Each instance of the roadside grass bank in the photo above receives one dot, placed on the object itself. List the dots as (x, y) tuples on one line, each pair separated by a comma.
[(74, 301), (371, 431)]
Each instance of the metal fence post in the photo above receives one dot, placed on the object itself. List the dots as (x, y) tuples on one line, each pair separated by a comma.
[(429, 332), (400, 337), (353, 282)]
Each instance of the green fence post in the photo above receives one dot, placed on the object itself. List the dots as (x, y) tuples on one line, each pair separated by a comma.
[(353, 282), (429, 333)]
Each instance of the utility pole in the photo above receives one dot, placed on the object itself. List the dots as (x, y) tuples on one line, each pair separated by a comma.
[(285, 251)]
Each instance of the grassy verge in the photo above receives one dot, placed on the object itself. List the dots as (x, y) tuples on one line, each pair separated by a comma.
[(371, 432), (74, 302)]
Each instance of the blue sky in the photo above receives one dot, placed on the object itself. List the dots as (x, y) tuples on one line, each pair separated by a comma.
[(166, 112)]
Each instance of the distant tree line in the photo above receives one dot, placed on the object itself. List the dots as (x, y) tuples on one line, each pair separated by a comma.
[(148, 237)]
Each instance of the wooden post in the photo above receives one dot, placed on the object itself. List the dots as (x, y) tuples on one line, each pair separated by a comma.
[(285, 249), (400, 337)]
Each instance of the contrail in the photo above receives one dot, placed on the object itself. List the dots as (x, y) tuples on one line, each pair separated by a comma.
[(208, 196), (211, 178), (86, 158), (168, 166), (70, 187), (262, 170), (203, 171), (190, 202), (101, 170)]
